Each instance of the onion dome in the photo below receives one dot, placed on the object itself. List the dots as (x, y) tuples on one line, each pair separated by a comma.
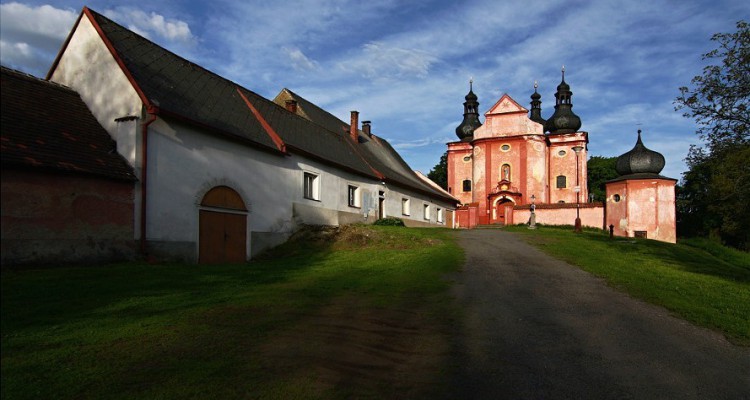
[(563, 120), (640, 160), (536, 106), (465, 131)]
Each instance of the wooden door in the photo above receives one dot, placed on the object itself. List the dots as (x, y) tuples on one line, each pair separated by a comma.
[(222, 237)]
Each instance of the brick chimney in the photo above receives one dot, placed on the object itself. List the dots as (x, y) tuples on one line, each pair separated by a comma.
[(291, 106), (366, 128), (354, 125)]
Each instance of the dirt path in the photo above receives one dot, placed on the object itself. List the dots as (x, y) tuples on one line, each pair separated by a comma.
[(539, 328)]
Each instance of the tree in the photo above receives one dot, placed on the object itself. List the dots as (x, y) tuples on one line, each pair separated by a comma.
[(715, 192), (439, 173), (600, 170)]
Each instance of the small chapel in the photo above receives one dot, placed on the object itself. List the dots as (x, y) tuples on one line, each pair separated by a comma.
[(517, 157)]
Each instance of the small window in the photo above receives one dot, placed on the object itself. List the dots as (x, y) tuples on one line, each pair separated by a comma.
[(505, 147), (353, 196), (562, 182), (440, 215), (311, 184), (561, 202), (405, 207), (467, 158), (641, 234), (467, 185), (426, 211), (616, 198), (562, 153)]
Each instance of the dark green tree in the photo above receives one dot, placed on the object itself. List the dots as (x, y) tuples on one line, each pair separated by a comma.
[(439, 173), (714, 196), (600, 170)]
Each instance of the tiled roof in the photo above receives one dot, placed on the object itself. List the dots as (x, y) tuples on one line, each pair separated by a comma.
[(46, 125), (376, 151), (181, 88)]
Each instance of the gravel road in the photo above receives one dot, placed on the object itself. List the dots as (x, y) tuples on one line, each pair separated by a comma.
[(539, 328)]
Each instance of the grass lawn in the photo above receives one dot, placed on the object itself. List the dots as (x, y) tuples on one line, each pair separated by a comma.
[(697, 280), (364, 314)]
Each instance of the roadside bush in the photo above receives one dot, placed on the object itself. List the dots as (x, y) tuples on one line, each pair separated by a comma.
[(390, 221)]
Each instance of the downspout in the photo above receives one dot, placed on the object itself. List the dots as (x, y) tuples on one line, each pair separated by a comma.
[(151, 111)]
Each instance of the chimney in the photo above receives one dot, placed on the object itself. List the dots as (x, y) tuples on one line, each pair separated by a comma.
[(354, 125), (366, 128), (291, 106)]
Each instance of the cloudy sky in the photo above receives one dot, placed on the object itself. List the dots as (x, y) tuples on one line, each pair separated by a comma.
[(405, 65)]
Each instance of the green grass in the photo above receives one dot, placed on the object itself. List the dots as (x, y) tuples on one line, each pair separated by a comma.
[(187, 331), (698, 280)]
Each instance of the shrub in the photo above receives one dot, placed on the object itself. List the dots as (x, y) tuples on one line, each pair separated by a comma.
[(390, 221)]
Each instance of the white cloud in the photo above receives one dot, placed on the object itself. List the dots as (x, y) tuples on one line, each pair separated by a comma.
[(381, 61), (151, 24), (299, 60)]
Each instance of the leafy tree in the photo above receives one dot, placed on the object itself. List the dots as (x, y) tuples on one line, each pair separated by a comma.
[(714, 197), (600, 170), (439, 173)]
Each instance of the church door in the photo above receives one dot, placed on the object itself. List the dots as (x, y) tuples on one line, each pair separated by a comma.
[(223, 227), (499, 211)]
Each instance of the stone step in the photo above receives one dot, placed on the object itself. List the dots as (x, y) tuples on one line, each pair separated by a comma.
[(491, 226)]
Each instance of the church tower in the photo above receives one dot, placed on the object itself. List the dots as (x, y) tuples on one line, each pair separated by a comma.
[(465, 131), (567, 150)]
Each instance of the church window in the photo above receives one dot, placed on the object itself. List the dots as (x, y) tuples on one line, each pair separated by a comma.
[(467, 158), (467, 185), (561, 182), (616, 198), (561, 153), (505, 147), (312, 186)]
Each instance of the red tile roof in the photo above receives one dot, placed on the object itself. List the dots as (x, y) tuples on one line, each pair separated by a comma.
[(47, 125)]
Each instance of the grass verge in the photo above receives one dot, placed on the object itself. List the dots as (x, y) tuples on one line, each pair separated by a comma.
[(700, 281), (359, 313)]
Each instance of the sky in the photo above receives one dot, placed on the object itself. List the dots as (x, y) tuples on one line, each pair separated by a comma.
[(406, 65)]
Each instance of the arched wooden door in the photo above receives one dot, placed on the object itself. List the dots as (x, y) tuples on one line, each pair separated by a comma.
[(223, 227)]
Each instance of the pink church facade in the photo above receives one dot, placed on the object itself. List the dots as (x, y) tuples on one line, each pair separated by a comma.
[(514, 159)]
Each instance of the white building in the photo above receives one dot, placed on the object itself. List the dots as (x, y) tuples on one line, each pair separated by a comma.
[(225, 173)]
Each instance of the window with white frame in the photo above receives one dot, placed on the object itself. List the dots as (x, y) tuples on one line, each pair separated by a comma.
[(440, 215), (312, 186), (353, 196), (426, 211), (405, 206)]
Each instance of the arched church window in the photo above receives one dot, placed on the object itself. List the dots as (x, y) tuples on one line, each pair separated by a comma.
[(467, 185), (561, 182)]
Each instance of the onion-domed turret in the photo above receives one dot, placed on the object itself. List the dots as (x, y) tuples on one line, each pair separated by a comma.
[(465, 131), (563, 120), (536, 106), (640, 160)]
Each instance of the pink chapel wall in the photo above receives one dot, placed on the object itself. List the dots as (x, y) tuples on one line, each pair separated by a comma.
[(635, 206)]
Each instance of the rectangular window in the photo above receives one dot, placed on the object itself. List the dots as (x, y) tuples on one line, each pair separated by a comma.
[(312, 190), (440, 215), (353, 196), (426, 211), (561, 182), (405, 207), (467, 185)]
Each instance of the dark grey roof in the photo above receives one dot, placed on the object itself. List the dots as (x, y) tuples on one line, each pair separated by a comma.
[(640, 160), (48, 126), (186, 90), (376, 151)]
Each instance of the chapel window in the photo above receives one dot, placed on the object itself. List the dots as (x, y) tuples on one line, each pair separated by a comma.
[(467, 185)]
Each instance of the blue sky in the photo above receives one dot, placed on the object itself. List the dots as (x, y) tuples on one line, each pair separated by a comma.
[(405, 65)]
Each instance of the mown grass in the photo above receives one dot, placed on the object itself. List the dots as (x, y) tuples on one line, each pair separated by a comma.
[(188, 331), (698, 280)]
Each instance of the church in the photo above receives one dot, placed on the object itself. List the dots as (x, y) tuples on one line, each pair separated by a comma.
[(510, 160), (517, 161)]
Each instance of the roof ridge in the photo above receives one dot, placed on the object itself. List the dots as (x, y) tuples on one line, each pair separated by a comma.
[(28, 76)]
